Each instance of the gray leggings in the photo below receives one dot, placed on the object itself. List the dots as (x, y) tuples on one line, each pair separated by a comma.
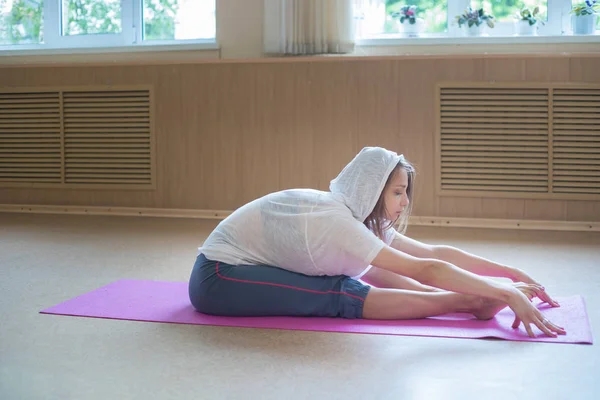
[(217, 288)]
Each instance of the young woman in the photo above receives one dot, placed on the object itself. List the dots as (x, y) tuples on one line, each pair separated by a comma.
[(304, 252)]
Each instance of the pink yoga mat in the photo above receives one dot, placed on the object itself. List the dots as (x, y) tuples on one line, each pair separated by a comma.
[(153, 301)]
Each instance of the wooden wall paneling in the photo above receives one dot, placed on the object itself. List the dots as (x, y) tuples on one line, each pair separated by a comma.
[(458, 70), (231, 117), (185, 118), (259, 140), (216, 122), (419, 133), (461, 207), (583, 211), (545, 209), (504, 69), (206, 134), (245, 137), (378, 113), (584, 69), (334, 106), (326, 109), (503, 208), (266, 111), (540, 70), (295, 127), (173, 121), (12, 77)]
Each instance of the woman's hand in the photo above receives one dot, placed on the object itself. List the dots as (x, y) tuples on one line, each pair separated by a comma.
[(527, 313), (521, 276)]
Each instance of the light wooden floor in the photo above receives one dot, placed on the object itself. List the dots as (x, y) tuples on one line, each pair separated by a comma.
[(46, 259)]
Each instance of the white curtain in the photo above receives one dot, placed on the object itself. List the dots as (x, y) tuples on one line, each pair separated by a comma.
[(309, 26)]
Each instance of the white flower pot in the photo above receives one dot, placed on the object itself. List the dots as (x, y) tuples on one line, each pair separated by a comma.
[(524, 29), (584, 24), (473, 30), (412, 29)]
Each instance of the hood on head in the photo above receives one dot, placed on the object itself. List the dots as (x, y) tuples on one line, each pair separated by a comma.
[(361, 181)]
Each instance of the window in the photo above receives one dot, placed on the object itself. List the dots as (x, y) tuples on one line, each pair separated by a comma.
[(437, 18), (179, 20), (20, 22), (88, 17), (104, 23)]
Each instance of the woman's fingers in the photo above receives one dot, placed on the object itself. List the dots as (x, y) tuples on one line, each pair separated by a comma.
[(547, 326), (545, 297), (541, 324), (540, 292), (529, 330), (527, 290), (558, 329), (516, 323)]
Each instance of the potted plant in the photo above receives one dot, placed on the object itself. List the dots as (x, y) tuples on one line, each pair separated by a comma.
[(527, 21), (583, 17), (408, 20), (473, 21)]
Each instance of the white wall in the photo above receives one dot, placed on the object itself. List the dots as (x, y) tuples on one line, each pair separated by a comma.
[(240, 28)]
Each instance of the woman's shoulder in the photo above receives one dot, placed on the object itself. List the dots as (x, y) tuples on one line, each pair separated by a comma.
[(306, 201), (299, 195)]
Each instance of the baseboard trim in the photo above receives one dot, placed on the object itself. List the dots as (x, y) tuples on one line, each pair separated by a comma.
[(589, 226), (115, 211)]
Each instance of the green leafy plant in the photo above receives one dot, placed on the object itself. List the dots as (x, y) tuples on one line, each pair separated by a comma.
[(530, 16), (475, 17), (406, 13), (588, 8)]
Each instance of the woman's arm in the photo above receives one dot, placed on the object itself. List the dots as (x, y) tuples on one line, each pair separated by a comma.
[(441, 274), (469, 262), (385, 279), (460, 258), (475, 264)]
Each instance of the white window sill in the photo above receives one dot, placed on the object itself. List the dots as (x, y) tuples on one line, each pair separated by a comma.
[(402, 45), (391, 40), (153, 52)]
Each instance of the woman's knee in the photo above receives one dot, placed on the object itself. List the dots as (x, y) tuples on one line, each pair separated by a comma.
[(201, 285), (205, 299)]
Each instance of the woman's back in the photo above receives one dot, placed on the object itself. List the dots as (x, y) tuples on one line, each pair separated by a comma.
[(301, 230)]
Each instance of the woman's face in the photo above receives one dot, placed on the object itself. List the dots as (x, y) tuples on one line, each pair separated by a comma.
[(394, 195)]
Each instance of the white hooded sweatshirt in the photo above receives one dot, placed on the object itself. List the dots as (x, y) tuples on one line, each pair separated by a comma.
[(309, 231)]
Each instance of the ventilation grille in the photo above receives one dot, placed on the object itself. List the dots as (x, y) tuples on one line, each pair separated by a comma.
[(76, 137), (494, 139), (576, 141), (30, 148), (107, 137), (519, 142)]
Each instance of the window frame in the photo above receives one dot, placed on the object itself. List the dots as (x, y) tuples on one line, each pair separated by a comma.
[(131, 34)]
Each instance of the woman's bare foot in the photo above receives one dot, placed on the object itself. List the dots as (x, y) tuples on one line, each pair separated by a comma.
[(486, 308)]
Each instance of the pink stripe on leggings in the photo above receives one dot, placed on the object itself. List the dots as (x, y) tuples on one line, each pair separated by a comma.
[(283, 286)]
